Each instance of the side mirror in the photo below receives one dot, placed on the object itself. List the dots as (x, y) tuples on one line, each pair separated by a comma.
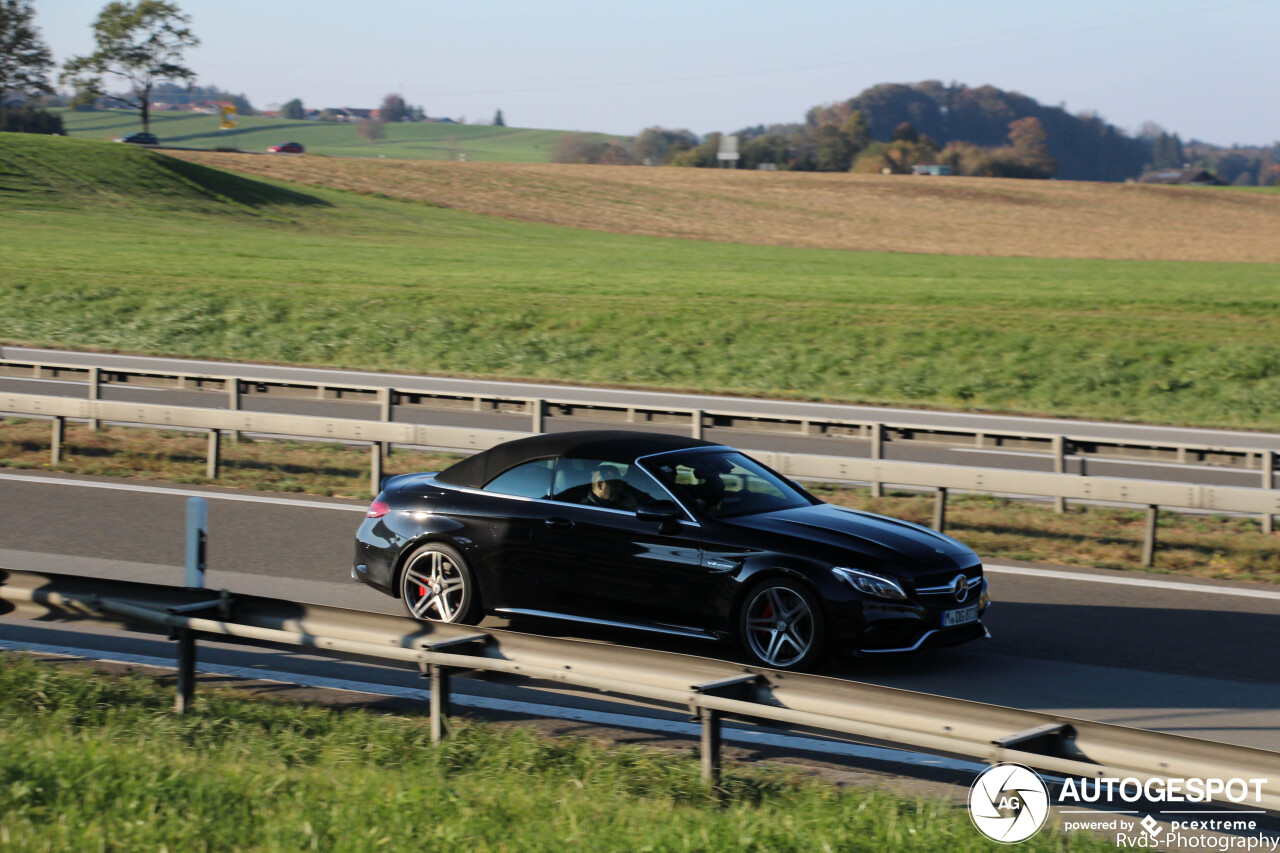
[(666, 513)]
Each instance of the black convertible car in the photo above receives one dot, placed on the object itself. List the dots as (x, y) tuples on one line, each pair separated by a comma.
[(668, 534)]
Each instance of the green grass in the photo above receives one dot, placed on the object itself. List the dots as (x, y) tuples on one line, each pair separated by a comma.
[(108, 247), (404, 140), (96, 763)]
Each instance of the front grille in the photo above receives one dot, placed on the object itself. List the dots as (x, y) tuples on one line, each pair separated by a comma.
[(938, 590)]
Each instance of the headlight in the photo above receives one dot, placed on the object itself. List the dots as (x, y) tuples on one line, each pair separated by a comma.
[(871, 584)]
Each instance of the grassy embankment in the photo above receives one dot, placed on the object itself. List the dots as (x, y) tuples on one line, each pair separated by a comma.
[(109, 247), (93, 762), (404, 140)]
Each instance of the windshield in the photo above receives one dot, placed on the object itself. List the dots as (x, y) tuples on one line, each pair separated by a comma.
[(727, 484)]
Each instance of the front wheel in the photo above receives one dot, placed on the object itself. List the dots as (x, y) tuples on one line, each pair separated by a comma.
[(781, 625), (436, 585)]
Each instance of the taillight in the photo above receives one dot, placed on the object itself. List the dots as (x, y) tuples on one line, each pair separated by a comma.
[(377, 509)]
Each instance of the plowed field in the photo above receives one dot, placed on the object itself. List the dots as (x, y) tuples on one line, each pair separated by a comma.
[(963, 216)]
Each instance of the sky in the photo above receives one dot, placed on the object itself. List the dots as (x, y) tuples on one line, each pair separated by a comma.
[(1207, 70)]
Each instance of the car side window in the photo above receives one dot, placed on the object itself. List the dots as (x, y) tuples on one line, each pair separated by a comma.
[(530, 480), (603, 483)]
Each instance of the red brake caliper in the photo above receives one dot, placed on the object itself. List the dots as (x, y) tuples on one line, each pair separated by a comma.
[(422, 590)]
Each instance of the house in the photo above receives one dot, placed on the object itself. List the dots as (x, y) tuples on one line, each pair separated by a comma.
[(1183, 177)]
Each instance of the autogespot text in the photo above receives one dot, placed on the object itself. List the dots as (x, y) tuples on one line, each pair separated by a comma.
[(1132, 790)]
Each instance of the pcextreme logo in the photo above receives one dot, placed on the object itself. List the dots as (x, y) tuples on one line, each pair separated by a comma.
[(1009, 803)]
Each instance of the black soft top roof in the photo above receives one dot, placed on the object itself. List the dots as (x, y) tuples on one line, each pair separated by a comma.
[(613, 445)]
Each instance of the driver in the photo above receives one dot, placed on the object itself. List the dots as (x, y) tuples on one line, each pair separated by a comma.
[(608, 490), (709, 490)]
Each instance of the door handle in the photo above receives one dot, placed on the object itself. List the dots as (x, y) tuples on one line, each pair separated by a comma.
[(558, 523)]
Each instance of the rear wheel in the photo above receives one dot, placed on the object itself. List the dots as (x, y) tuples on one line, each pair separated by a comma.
[(436, 585), (781, 625)]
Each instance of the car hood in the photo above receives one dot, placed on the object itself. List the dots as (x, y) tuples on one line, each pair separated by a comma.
[(864, 540)]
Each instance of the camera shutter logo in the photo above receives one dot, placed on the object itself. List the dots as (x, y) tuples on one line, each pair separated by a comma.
[(1008, 803)]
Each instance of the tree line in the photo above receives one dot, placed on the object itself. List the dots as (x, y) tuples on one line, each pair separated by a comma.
[(981, 131)]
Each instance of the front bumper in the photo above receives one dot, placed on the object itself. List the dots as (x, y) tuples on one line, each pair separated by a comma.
[(877, 626)]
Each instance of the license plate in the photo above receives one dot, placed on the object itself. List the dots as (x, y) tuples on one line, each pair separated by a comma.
[(963, 616)]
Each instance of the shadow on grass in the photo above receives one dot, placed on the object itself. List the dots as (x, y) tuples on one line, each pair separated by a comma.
[(226, 186)]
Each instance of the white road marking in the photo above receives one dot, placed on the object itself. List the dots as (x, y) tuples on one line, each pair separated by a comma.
[(183, 493), (601, 718), (1149, 583)]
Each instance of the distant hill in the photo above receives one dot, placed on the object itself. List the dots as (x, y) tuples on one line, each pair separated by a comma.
[(404, 140)]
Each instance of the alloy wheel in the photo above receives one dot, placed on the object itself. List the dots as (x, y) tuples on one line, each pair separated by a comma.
[(434, 587), (779, 626)]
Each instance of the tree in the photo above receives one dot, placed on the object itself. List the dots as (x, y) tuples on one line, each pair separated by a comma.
[(393, 108), (175, 93), (580, 148), (24, 57), (656, 145), (498, 120), (1028, 138), (372, 130), (293, 110), (856, 132), (140, 43), (771, 148), (831, 152), (701, 156), (905, 132), (28, 119)]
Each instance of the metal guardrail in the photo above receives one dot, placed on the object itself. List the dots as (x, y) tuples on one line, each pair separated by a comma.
[(875, 434), (712, 690), (941, 478)]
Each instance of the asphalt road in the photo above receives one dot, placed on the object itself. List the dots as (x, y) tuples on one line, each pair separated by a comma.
[(1189, 657), (746, 439)]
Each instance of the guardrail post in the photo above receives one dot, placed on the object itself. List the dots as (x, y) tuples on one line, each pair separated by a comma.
[(439, 676), (233, 401), (213, 455), (186, 691), (94, 382), (877, 452), (710, 746), (535, 414), (375, 468), (733, 687), (940, 510), (197, 542), (695, 428), (1059, 467), (1149, 539), (1268, 482), (55, 449), (384, 412)]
